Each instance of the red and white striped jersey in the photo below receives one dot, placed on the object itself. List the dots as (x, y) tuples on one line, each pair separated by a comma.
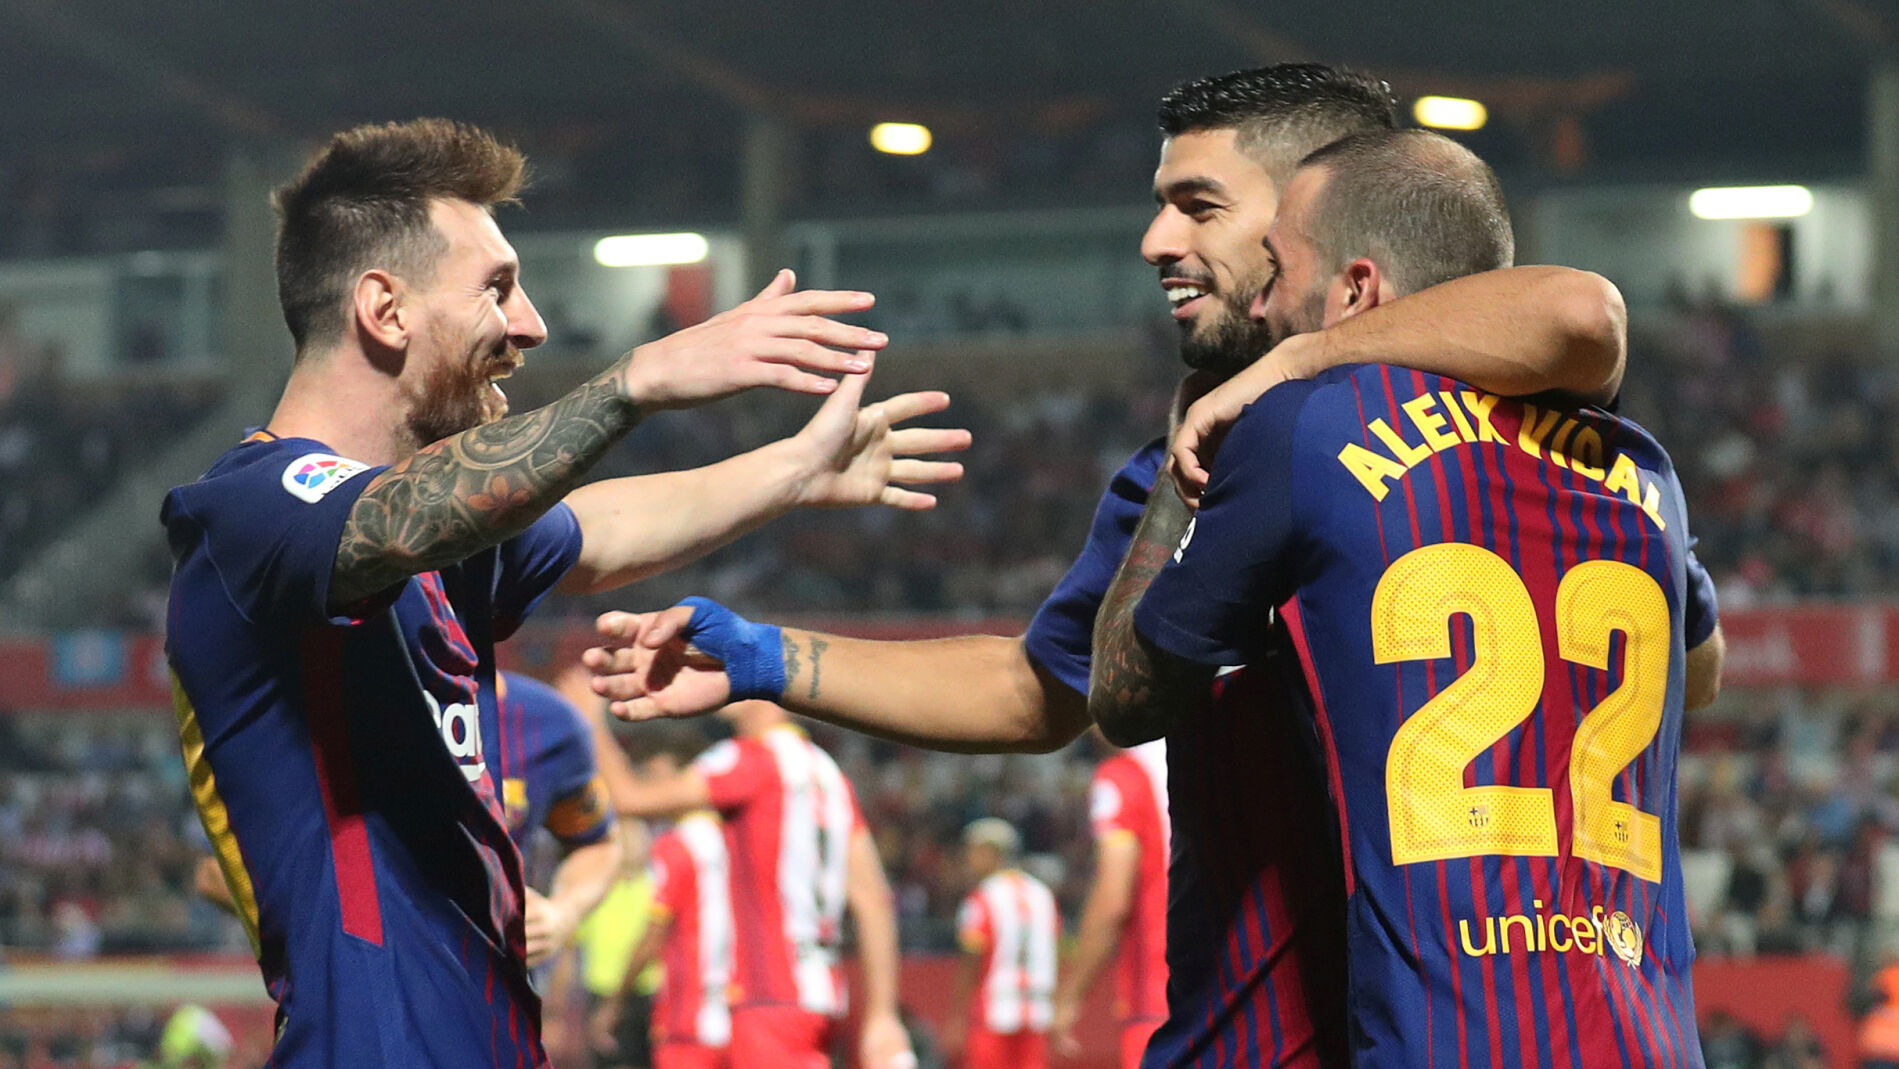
[(1011, 920), (789, 815), (690, 889), (1129, 797)]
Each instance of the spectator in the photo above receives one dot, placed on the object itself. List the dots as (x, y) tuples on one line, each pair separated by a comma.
[(1726, 1043)]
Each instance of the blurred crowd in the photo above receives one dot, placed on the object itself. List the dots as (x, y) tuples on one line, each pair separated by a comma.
[(1789, 805), (64, 441), (98, 839), (1789, 453), (134, 1036), (1786, 445)]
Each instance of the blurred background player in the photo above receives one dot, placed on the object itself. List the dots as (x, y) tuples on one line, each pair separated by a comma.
[(1566, 520), (800, 855), (1125, 917), (545, 756), (595, 967), (193, 1038), (1008, 927), (610, 936), (686, 939)]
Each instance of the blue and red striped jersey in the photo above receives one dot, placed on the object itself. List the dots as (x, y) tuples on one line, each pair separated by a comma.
[(338, 764), (544, 756), (1255, 916), (1491, 600)]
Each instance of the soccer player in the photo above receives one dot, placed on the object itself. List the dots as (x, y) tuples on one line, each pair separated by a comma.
[(1005, 981), (1257, 928), (1492, 602), (1125, 917), (343, 575), (544, 754), (800, 854), (689, 932)]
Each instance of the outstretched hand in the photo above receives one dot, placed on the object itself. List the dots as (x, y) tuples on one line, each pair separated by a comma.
[(855, 455), (781, 338), (648, 667)]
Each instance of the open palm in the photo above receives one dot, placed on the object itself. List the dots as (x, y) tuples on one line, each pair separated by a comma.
[(859, 454)]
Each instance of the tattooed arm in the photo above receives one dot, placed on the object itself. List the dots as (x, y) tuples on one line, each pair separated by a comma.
[(1136, 690), (463, 494), (458, 496)]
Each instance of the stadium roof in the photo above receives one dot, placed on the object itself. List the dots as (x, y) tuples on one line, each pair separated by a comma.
[(147, 97)]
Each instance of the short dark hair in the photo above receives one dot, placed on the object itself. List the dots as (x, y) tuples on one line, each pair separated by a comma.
[(1423, 207), (363, 202), (1281, 112)]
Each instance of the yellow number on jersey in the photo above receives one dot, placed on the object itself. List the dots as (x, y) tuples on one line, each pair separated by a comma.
[(1433, 815), (1597, 599)]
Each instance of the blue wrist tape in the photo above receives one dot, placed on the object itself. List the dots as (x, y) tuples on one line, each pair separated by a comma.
[(753, 654)]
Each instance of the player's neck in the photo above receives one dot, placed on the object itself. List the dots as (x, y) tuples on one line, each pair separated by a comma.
[(358, 416)]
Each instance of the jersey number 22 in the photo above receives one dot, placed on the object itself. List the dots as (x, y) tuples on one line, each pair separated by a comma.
[(1433, 815)]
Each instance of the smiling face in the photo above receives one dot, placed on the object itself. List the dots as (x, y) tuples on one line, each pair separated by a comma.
[(1216, 203), (471, 321)]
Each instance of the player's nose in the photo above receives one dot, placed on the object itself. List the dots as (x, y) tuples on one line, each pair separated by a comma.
[(526, 329), (1166, 239)]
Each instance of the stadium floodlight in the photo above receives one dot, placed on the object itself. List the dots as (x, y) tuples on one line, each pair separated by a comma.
[(650, 250), (1450, 113), (1751, 202), (901, 138)]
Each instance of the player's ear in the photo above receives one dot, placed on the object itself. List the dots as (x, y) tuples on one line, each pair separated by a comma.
[(376, 308), (1358, 288)]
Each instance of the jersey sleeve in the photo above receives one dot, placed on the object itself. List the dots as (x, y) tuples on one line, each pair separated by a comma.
[(580, 812), (269, 523), (972, 926), (583, 817), (736, 772), (1212, 603), (532, 563), (1700, 612), (1061, 635)]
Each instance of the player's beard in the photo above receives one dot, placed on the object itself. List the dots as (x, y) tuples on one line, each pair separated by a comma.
[(460, 395), (1224, 340), (1307, 318)]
